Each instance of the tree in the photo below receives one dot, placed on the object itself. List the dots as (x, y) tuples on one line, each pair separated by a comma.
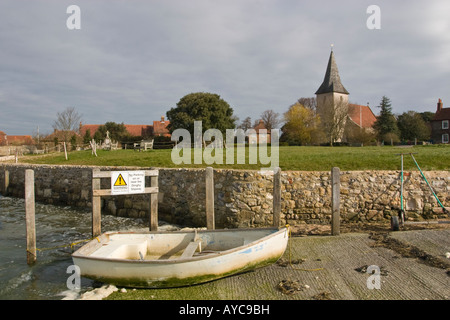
[(209, 108), (300, 125), (333, 119), (87, 136), (66, 121), (427, 116), (412, 126), (246, 124), (117, 131), (73, 142), (271, 119), (386, 124), (356, 135), (310, 103)]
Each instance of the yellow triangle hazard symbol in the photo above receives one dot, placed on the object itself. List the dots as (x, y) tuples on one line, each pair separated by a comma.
[(120, 181)]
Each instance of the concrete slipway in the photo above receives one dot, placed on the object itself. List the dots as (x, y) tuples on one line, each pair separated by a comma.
[(413, 265)]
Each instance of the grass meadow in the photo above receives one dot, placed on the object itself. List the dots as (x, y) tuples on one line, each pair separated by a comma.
[(430, 157)]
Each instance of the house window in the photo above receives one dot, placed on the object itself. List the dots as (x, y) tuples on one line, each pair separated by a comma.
[(445, 138), (445, 124)]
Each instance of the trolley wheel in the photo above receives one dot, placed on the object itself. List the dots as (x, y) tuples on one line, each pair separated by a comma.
[(395, 226)]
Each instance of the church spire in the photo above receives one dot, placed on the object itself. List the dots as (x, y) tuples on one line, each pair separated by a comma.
[(332, 81)]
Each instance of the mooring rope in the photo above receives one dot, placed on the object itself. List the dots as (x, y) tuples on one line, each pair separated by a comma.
[(71, 245), (434, 194)]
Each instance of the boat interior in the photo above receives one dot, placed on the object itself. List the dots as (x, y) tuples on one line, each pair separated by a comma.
[(169, 245)]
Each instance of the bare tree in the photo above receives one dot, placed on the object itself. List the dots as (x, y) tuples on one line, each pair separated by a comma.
[(310, 103), (333, 119), (271, 119), (246, 124), (66, 121)]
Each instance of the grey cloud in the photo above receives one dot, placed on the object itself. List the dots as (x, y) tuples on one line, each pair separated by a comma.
[(133, 61)]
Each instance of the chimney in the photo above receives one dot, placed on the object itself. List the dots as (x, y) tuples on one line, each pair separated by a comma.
[(162, 119), (439, 105)]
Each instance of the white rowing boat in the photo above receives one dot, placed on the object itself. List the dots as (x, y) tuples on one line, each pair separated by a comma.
[(172, 259)]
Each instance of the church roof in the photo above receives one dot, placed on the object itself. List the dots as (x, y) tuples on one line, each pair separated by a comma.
[(332, 81), (361, 115)]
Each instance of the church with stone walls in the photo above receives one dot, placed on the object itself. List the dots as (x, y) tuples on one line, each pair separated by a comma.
[(336, 113)]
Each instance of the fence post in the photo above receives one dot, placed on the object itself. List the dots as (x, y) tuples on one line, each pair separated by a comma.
[(335, 201), (210, 223), (154, 205), (276, 197), (96, 207), (29, 216)]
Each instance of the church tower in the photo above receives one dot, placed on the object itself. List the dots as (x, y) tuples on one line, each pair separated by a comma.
[(332, 98)]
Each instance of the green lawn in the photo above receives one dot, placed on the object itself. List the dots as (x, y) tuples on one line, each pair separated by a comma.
[(290, 158)]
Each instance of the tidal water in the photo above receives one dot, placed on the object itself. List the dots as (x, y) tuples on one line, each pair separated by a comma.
[(56, 226)]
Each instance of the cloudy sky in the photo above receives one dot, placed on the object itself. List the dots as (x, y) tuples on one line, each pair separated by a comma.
[(132, 61)]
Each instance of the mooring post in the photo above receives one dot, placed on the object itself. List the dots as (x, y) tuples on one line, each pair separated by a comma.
[(154, 205), (210, 224), (335, 201), (276, 197), (96, 206), (29, 216), (6, 183)]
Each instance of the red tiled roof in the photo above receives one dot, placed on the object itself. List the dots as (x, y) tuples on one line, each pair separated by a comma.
[(361, 115), (132, 129), (139, 129), (16, 140), (160, 128), (92, 127)]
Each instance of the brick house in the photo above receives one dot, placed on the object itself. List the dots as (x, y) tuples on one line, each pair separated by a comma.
[(259, 137), (440, 124)]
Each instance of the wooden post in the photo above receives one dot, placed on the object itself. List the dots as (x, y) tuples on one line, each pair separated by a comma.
[(96, 207), (29, 216), (6, 183), (210, 223), (154, 205), (65, 150), (335, 201), (276, 197)]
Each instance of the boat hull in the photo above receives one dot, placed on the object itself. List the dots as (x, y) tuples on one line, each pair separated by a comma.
[(181, 271)]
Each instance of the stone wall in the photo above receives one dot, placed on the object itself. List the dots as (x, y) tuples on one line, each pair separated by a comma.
[(244, 198)]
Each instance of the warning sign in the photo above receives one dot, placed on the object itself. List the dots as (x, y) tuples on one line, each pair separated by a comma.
[(127, 182), (120, 181)]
